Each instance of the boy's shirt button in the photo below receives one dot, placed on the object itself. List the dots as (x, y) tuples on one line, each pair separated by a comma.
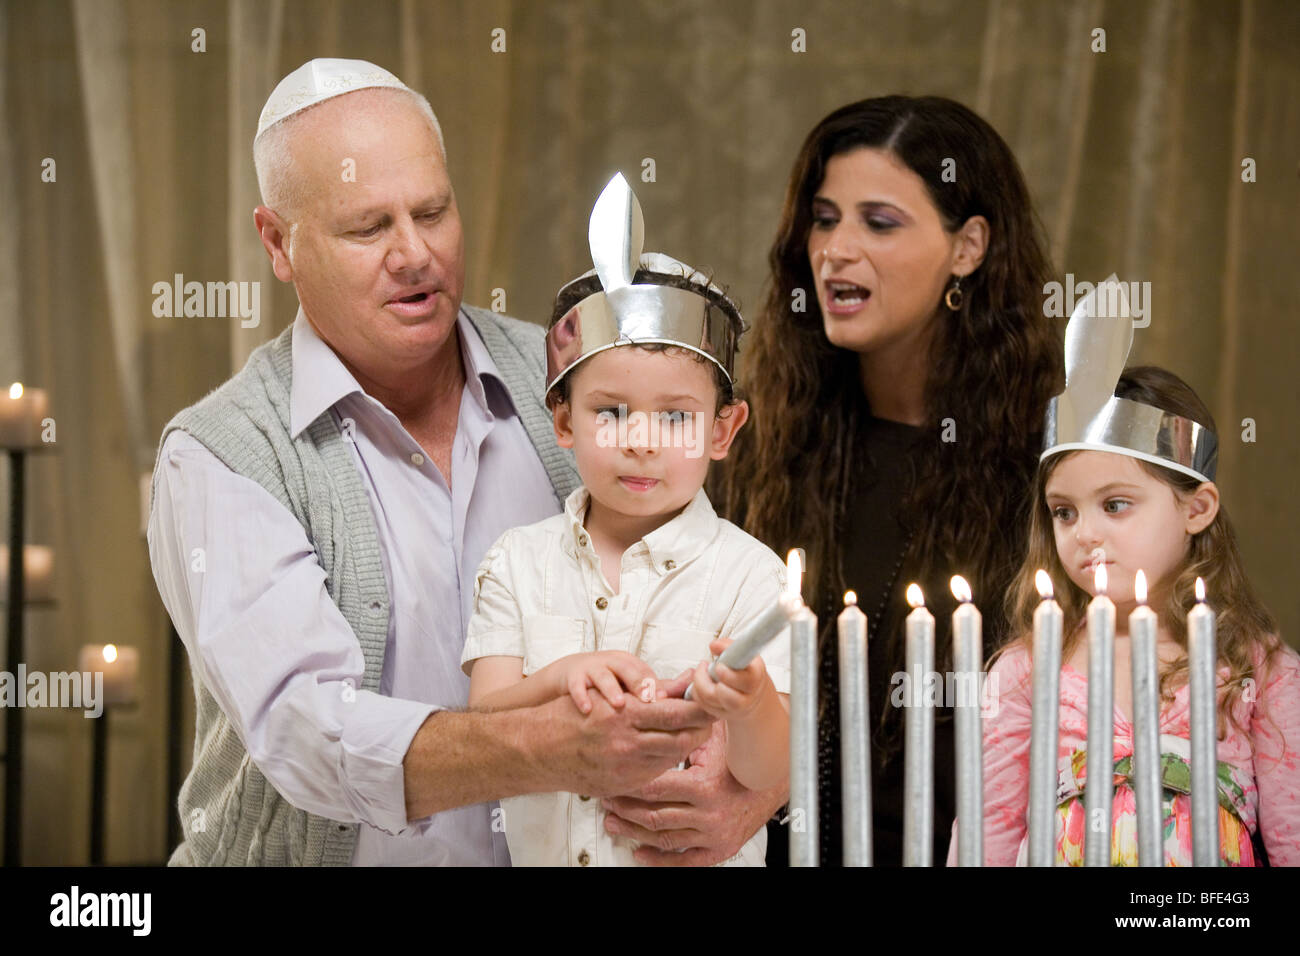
[(669, 564), (601, 603), (582, 540), (583, 858)]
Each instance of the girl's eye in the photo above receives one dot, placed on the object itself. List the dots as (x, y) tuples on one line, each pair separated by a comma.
[(611, 411), (1114, 506), (1062, 513), (672, 418)]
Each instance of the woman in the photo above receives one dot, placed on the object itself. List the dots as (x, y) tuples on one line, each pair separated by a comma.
[(898, 376)]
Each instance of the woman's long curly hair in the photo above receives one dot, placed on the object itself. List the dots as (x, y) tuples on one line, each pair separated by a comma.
[(994, 364), (1246, 632)]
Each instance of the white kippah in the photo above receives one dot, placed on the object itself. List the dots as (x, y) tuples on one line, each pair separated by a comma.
[(318, 80)]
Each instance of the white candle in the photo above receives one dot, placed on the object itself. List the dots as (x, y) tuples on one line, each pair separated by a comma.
[(1143, 632), (120, 667), (1044, 732), (750, 641), (918, 755), (855, 743), (968, 654), (804, 817), (1100, 789), (21, 412), (38, 573), (1202, 657)]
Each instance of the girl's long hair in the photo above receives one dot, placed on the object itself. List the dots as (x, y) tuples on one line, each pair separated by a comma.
[(1246, 630), (994, 364)]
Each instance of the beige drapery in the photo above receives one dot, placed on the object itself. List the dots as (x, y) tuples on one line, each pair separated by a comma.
[(1133, 155)]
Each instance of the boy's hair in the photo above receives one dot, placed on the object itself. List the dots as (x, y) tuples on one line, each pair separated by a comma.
[(579, 289), (1244, 624)]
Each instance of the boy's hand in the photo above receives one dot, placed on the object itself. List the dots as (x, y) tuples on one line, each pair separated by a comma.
[(734, 693), (609, 672)]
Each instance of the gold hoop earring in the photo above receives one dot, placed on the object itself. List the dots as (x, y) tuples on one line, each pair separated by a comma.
[(953, 297)]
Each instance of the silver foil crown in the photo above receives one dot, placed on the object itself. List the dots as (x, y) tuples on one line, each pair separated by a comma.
[(625, 312), (1088, 416)]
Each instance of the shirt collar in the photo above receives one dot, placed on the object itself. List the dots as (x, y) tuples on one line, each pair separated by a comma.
[(321, 380), (671, 545)]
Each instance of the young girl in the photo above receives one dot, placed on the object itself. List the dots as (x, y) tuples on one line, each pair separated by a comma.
[(1131, 513)]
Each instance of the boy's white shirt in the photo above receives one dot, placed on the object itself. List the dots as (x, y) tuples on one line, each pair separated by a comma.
[(536, 596)]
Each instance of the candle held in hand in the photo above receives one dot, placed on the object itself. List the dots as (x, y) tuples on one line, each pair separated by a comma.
[(751, 640)]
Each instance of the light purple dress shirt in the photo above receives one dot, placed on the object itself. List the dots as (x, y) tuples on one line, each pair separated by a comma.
[(288, 686)]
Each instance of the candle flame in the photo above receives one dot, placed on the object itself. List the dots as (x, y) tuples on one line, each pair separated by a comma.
[(1200, 590), (1140, 587), (1099, 578), (1043, 581), (960, 589), (850, 598), (110, 653), (914, 595), (794, 572), (16, 390)]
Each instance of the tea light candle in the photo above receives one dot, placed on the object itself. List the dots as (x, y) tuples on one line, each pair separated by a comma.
[(21, 412), (120, 667), (38, 573)]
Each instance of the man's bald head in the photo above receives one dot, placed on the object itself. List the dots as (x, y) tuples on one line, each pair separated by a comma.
[(278, 175)]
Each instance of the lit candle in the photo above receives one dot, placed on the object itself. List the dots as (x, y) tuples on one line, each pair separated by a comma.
[(120, 667), (968, 654), (918, 756), (1099, 790), (750, 641), (855, 744), (21, 412), (1202, 656), (38, 573), (1143, 632), (1045, 726), (804, 828)]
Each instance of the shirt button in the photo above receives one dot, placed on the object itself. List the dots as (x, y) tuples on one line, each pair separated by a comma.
[(584, 797), (417, 459), (583, 858), (669, 564), (601, 603), (582, 540)]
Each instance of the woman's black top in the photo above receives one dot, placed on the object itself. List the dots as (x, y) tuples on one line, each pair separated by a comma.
[(872, 543)]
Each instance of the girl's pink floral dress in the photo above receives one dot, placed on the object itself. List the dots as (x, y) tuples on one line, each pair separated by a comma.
[(1258, 774)]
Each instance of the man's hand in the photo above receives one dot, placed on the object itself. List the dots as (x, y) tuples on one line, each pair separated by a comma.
[(701, 811), (614, 750)]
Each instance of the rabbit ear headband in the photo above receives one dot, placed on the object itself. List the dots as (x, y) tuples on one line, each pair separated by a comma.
[(1089, 416), (625, 312)]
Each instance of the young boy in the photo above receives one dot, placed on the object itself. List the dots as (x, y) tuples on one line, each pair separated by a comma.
[(638, 580)]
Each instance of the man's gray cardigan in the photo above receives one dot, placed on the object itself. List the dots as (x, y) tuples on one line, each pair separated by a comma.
[(230, 813)]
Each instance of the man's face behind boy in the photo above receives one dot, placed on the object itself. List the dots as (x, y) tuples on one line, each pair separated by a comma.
[(643, 428)]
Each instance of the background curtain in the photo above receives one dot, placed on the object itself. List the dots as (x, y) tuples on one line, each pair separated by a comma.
[(1133, 155)]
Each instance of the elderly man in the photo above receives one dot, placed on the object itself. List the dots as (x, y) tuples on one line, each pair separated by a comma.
[(318, 519)]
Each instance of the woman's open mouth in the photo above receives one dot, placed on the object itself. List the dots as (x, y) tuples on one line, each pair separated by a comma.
[(845, 298)]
